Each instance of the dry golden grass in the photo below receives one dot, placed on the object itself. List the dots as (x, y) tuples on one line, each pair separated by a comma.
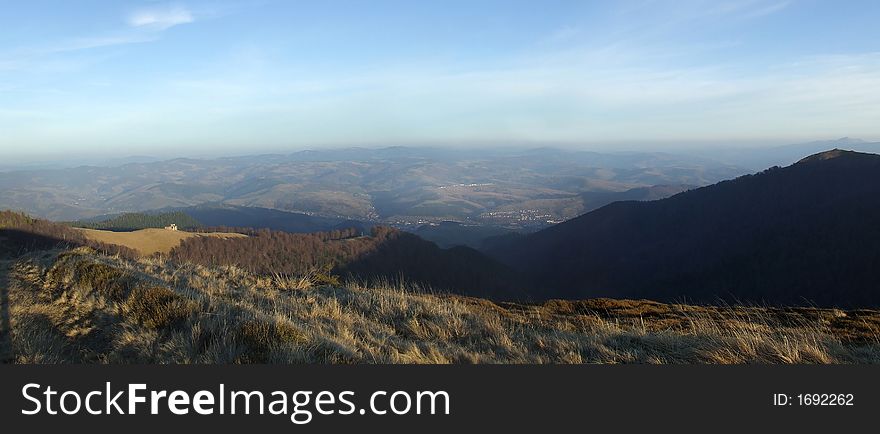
[(5, 342), (78, 306), (149, 241)]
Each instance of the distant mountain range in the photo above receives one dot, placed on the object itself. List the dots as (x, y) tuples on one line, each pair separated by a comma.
[(524, 188), (806, 233), (398, 185)]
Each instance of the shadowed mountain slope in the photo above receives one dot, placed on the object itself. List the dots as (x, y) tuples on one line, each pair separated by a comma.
[(807, 233), (387, 255)]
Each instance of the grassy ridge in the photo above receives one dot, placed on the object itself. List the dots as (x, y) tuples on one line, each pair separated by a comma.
[(78, 306), (150, 241)]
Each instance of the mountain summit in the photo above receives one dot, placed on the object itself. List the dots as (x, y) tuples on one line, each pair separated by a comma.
[(836, 153)]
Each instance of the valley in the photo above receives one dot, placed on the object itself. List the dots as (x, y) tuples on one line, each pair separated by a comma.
[(777, 266), (399, 186)]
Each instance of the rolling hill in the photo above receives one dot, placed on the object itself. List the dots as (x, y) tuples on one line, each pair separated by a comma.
[(214, 215), (807, 233), (383, 185), (149, 241), (137, 221)]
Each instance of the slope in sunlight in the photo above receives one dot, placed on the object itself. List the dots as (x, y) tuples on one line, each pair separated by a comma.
[(150, 241)]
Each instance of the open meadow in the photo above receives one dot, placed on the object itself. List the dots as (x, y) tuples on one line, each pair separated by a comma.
[(149, 241)]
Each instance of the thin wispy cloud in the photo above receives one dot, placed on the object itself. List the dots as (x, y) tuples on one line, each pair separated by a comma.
[(768, 9), (99, 42), (144, 25), (682, 69), (160, 18), (749, 8)]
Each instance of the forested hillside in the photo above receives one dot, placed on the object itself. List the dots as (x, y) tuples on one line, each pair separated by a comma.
[(263, 218), (387, 254), (137, 221)]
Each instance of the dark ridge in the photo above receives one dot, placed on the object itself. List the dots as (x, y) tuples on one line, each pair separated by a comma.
[(804, 234), (20, 234), (832, 154), (459, 270)]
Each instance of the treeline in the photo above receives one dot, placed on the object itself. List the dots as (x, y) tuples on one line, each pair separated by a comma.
[(137, 221), (21, 233), (386, 254), (336, 234), (265, 251)]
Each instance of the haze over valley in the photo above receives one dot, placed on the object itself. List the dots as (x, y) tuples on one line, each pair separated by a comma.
[(440, 182)]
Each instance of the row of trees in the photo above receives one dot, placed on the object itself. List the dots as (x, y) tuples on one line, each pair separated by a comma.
[(386, 254), (266, 251), (137, 221), (336, 234)]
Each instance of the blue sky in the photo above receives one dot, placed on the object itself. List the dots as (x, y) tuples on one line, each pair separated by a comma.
[(185, 78)]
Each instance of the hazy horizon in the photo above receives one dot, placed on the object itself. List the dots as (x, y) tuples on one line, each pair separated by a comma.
[(79, 158), (222, 78)]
